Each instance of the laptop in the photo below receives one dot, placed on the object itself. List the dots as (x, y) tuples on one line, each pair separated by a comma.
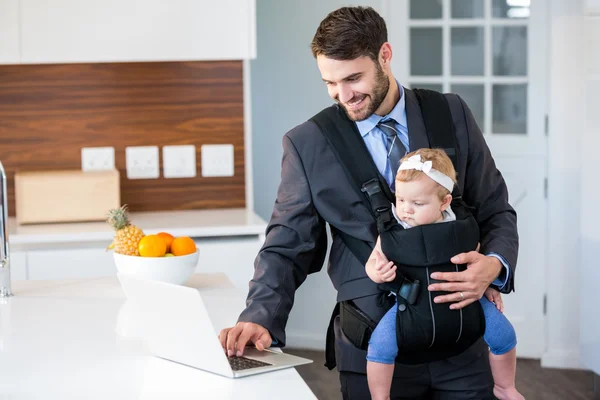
[(177, 326)]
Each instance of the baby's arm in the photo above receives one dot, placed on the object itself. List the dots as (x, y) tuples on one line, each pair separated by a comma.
[(378, 268)]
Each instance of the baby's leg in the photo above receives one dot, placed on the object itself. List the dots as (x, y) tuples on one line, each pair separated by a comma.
[(381, 355), (502, 340)]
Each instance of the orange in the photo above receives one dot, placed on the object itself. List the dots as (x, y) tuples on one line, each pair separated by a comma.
[(168, 238), (183, 245), (152, 246)]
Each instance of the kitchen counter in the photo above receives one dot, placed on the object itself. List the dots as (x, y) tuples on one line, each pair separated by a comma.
[(73, 339), (194, 223)]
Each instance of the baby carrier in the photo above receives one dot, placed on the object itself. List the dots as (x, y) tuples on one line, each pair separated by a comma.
[(425, 331)]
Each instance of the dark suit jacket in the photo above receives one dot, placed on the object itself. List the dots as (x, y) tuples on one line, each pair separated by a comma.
[(314, 190)]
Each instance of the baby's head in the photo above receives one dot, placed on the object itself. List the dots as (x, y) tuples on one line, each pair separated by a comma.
[(424, 185)]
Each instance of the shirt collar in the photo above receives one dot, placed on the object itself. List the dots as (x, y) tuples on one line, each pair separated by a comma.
[(398, 113)]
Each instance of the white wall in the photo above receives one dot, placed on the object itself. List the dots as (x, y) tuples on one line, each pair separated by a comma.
[(286, 91)]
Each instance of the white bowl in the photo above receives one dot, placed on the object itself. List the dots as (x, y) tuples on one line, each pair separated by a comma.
[(176, 270)]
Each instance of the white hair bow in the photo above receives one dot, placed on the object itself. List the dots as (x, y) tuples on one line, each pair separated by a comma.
[(415, 163)]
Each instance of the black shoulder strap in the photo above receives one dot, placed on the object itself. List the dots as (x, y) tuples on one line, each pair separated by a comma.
[(352, 153), (439, 125)]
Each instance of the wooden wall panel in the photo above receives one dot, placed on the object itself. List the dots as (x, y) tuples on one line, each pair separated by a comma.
[(49, 112)]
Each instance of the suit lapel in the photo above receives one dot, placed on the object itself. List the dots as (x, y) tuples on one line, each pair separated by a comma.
[(417, 134)]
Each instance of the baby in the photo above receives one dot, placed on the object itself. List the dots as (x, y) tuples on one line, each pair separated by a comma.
[(424, 184)]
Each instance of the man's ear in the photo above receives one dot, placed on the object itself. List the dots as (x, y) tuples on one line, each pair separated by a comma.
[(385, 53), (446, 202)]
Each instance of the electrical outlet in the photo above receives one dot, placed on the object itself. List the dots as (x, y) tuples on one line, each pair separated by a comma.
[(217, 160), (179, 161), (97, 158), (142, 162)]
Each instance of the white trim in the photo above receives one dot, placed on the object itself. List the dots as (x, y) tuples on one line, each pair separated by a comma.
[(564, 188), (446, 46), (487, 71), (248, 182)]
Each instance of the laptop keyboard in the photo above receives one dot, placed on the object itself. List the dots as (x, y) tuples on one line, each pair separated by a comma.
[(241, 363)]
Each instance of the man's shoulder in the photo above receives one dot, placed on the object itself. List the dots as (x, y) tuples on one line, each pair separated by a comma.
[(457, 109), (455, 102), (308, 131)]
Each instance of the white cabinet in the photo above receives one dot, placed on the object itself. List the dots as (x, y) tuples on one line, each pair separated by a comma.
[(64, 31), (70, 263), (9, 32)]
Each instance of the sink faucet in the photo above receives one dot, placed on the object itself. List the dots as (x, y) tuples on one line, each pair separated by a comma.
[(5, 290)]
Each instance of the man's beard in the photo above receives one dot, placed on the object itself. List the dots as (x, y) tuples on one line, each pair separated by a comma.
[(380, 90)]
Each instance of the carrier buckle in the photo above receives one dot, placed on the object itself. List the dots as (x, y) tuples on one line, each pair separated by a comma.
[(409, 291), (371, 187)]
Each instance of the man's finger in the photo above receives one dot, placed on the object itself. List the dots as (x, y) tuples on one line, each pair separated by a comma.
[(478, 247), (453, 297), (263, 341), (451, 276), (465, 258), (223, 337), (232, 337), (462, 304), (450, 287), (243, 340)]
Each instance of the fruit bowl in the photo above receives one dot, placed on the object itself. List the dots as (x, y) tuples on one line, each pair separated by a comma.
[(176, 270)]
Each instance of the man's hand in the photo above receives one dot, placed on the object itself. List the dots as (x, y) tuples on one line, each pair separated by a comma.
[(469, 285), (495, 297), (234, 339), (382, 270)]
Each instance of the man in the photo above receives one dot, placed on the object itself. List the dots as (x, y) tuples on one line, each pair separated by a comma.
[(354, 58)]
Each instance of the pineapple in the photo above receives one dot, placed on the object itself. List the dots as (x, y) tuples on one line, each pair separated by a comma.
[(127, 236)]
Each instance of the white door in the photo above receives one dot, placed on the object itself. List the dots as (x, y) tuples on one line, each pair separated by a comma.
[(493, 54)]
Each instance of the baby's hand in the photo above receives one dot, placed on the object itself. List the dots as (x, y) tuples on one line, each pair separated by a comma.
[(495, 297), (385, 270)]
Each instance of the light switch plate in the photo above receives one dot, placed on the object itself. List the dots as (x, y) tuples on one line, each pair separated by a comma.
[(217, 160), (142, 162), (179, 161), (97, 158)]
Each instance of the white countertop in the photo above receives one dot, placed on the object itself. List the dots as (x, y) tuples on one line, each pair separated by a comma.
[(194, 223), (70, 340)]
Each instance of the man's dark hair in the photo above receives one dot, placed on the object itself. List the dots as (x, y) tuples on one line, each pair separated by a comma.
[(350, 32)]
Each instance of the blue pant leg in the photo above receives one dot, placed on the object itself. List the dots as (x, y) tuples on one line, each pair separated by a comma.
[(383, 347), (499, 333)]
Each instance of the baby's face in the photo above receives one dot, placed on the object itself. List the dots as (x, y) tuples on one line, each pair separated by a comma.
[(418, 202)]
